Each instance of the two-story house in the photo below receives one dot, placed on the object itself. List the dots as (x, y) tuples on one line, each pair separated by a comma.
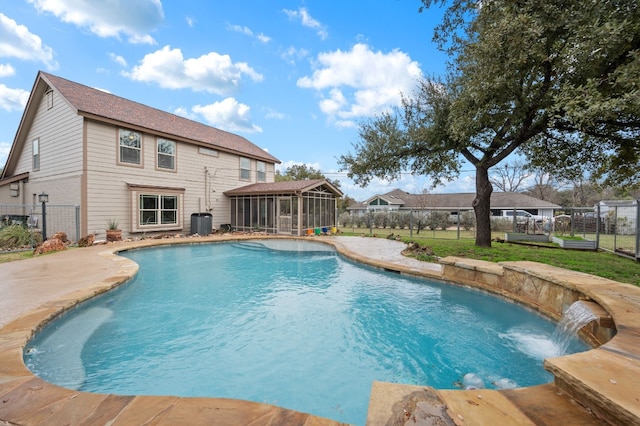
[(147, 169)]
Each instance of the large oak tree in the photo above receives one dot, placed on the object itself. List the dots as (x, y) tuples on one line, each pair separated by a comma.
[(556, 81)]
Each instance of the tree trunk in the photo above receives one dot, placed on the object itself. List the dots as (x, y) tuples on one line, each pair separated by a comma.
[(482, 207)]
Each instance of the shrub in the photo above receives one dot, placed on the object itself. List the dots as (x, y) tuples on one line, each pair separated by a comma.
[(468, 220), (14, 236), (344, 219)]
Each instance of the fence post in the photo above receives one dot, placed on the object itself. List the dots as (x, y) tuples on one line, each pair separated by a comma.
[(615, 228), (637, 229), (411, 223), (598, 227), (78, 223)]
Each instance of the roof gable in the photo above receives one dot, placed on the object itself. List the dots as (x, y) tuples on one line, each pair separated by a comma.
[(286, 187), (103, 106)]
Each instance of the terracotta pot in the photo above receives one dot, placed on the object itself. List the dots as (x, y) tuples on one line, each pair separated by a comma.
[(114, 235)]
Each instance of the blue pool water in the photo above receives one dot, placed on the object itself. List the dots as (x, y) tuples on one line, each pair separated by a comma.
[(287, 323)]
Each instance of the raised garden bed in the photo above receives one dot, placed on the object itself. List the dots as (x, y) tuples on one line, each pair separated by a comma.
[(521, 236), (576, 244)]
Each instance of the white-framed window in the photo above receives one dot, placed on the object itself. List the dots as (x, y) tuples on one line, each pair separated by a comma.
[(130, 144), (261, 171), (49, 96), (245, 168), (156, 209), (166, 154), (35, 154)]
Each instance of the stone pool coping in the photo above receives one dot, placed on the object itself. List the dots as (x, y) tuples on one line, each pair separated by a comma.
[(604, 379)]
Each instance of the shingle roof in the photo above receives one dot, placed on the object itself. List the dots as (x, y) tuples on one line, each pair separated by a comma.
[(499, 200), (286, 187), (97, 104)]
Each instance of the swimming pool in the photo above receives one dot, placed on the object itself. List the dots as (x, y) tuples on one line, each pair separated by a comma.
[(288, 323)]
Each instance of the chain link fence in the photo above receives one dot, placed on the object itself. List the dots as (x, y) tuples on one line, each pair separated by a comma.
[(57, 218)]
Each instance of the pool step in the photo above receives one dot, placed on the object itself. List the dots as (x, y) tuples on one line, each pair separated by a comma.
[(601, 379), (250, 246)]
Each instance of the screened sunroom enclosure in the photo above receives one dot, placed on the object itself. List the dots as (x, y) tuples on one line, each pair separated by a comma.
[(292, 208)]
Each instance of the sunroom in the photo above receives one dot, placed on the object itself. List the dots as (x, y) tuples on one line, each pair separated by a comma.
[(292, 208)]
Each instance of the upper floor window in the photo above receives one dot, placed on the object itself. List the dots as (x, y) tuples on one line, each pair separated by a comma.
[(261, 171), (245, 168), (49, 96), (35, 154), (130, 147), (166, 154)]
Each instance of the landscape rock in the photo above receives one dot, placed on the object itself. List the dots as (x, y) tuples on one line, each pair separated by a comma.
[(53, 244), (87, 241)]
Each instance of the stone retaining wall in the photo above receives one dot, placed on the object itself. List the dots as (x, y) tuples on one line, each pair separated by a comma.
[(542, 289)]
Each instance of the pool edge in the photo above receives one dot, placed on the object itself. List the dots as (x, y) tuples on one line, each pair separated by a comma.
[(26, 399)]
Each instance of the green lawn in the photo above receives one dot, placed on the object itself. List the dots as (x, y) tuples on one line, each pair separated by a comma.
[(10, 256), (600, 263)]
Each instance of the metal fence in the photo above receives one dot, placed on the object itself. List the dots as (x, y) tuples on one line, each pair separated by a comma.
[(425, 223), (58, 218), (613, 225)]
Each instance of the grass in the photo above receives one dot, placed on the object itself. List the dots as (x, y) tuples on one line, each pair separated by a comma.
[(11, 256), (569, 238), (599, 263)]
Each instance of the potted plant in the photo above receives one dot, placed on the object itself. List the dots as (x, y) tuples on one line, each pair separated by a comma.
[(113, 232)]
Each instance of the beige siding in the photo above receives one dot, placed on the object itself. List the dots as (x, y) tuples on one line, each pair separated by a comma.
[(204, 179), (59, 131)]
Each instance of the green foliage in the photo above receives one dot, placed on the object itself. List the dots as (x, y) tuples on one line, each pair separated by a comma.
[(303, 172), (598, 263), (556, 81), (112, 224), (16, 236)]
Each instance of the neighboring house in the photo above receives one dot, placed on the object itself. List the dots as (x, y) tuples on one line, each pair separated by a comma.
[(398, 200), (120, 160)]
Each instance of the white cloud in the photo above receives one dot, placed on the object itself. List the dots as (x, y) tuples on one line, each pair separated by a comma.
[(212, 72), (16, 41), (291, 54), (229, 115), (183, 112), (107, 18), (7, 70), (361, 82), (118, 59), (275, 115), (12, 99), (240, 29), (305, 18), (263, 38), (247, 31), (190, 21)]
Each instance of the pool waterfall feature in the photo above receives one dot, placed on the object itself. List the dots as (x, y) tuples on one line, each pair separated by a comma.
[(548, 289), (552, 291), (577, 316)]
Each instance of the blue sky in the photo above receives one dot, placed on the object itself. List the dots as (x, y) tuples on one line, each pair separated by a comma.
[(294, 77)]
